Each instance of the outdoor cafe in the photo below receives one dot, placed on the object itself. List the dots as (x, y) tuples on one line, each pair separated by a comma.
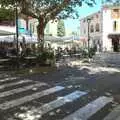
[(8, 45)]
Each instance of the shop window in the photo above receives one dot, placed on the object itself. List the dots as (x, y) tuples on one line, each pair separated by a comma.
[(97, 27), (91, 28)]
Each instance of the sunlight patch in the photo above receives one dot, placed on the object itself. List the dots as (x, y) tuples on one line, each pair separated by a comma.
[(94, 70), (73, 78)]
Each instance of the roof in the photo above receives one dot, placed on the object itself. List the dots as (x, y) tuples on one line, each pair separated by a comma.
[(114, 35)]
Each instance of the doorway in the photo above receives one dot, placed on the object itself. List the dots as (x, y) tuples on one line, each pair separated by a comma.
[(115, 44)]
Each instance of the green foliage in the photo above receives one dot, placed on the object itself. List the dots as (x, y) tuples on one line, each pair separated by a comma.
[(7, 14), (92, 51), (84, 53), (43, 56), (6, 2), (48, 8), (61, 28), (74, 33)]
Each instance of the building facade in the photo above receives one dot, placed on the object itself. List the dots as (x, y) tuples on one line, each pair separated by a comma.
[(104, 28), (91, 25)]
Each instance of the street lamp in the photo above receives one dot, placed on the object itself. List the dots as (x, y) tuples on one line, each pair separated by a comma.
[(88, 21)]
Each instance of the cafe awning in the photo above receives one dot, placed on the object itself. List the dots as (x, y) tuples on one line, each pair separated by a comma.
[(7, 30), (114, 35), (5, 33)]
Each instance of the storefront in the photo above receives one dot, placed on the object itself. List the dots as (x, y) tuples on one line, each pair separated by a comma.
[(115, 39)]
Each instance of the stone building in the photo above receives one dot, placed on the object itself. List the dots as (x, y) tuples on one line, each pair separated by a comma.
[(104, 28)]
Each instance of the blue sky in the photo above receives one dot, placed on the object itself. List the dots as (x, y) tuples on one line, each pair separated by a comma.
[(85, 10)]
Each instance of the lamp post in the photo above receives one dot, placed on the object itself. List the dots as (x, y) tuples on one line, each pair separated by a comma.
[(16, 23), (88, 21)]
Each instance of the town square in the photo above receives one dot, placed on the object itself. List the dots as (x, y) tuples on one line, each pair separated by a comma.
[(59, 60)]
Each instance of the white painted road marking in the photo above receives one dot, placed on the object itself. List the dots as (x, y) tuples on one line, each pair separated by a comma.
[(53, 105), (8, 79), (16, 102), (15, 83), (90, 109), (23, 89)]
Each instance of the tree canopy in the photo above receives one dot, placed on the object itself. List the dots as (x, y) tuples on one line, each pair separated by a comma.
[(6, 14), (46, 10), (61, 28)]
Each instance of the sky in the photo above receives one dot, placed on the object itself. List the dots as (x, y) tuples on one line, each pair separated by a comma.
[(84, 11)]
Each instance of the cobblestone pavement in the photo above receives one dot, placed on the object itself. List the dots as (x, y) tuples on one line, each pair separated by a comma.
[(80, 92)]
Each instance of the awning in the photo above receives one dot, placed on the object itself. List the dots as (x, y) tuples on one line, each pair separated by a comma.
[(11, 38), (5, 33), (51, 38), (28, 39), (114, 35), (7, 30)]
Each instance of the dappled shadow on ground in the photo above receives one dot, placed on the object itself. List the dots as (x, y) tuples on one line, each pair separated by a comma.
[(92, 79), (104, 80)]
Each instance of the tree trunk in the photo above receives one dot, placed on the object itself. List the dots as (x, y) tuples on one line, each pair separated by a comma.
[(40, 32)]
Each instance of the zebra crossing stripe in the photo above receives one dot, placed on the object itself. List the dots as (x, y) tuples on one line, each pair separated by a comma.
[(15, 83), (18, 90), (53, 105), (2, 75), (8, 79), (90, 109), (114, 115), (16, 102)]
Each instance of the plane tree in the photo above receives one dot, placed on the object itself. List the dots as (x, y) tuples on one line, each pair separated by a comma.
[(46, 10)]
